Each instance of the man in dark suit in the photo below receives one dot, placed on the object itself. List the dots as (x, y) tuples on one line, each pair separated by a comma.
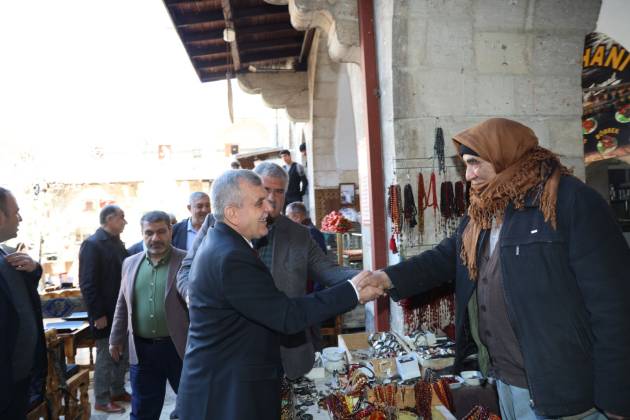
[(23, 348), (185, 231), (298, 184), (151, 316), (232, 365), (292, 257), (100, 262)]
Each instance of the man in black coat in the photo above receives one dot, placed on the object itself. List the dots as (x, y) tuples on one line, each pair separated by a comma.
[(298, 183), (232, 366), (541, 280), (100, 264), (23, 348)]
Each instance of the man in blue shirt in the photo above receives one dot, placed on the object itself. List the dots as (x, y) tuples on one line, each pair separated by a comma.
[(185, 231)]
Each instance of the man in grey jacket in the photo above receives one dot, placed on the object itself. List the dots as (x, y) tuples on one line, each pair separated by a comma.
[(292, 256)]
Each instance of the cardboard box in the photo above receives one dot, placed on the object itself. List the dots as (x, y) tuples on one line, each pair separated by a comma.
[(352, 342)]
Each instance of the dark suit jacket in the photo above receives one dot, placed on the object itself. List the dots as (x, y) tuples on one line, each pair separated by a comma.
[(180, 234), (100, 262), (232, 365), (296, 258), (8, 335), (176, 311)]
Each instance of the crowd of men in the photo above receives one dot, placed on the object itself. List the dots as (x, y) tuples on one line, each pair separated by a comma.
[(218, 305)]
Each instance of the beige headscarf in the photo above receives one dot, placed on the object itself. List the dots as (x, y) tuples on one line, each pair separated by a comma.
[(522, 168)]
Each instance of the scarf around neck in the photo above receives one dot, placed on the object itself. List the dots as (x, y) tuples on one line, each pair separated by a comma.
[(523, 170)]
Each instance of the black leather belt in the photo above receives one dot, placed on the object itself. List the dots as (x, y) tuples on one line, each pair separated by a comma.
[(157, 340)]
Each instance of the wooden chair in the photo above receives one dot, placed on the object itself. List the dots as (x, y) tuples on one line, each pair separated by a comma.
[(66, 396), (40, 411)]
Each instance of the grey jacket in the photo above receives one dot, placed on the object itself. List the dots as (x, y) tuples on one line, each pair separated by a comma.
[(176, 310), (296, 258)]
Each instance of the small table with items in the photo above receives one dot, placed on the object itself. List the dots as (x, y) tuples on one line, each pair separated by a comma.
[(386, 376)]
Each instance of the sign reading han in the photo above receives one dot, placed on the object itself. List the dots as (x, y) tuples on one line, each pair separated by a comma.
[(606, 98)]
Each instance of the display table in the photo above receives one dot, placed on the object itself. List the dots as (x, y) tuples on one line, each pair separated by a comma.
[(464, 399)]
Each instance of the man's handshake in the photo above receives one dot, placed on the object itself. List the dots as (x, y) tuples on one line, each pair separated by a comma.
[(371, 285)]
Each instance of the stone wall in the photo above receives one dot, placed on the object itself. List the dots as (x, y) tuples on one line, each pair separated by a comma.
[(454, 63)]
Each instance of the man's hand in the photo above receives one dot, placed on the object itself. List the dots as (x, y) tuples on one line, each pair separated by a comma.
[(614, 416), (378, 279), (116, 351), (101, 323), (22, 262), (367, 291)]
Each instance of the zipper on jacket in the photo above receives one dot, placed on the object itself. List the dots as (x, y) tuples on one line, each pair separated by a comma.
[(508, 307)]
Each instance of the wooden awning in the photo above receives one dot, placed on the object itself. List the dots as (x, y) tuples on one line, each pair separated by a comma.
[(247, 159), (264, 40)]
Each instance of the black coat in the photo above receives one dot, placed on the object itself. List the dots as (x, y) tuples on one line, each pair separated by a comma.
[(8, 335), (567, 293), (100, 263), (232, 365)]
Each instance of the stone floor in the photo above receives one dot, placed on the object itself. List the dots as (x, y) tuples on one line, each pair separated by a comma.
[(82, 358)]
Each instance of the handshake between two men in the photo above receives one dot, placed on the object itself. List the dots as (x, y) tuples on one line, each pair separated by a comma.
[(371, 285)]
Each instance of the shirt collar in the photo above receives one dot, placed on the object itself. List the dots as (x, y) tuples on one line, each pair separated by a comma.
[(162, 261), (190, 227)]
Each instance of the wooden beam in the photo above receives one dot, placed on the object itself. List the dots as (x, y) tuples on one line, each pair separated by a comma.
[(212, 35), (279, 53), (247, 21), (186, 19), (203, 3), (374, 151), (205, 59), (206, 50), (266, 9), (306, 46), (229, 25), (269, 45)]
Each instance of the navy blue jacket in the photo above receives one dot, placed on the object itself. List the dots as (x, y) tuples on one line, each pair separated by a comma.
[(180, 234), (567, 293), (232, 367), (8, 335), (136, 248)]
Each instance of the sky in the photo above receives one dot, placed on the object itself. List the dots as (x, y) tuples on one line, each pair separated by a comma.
[(77, 74)]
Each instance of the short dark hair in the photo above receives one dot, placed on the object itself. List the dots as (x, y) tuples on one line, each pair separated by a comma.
[(284, 152), (302, 147), (4, 193), (156, 216), (106, 212)]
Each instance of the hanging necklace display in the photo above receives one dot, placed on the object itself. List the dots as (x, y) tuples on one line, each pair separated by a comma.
[(460, 199), (394, 207), (438, 150), (431, 199), (422, 205), (449, 220), (410, 212)]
